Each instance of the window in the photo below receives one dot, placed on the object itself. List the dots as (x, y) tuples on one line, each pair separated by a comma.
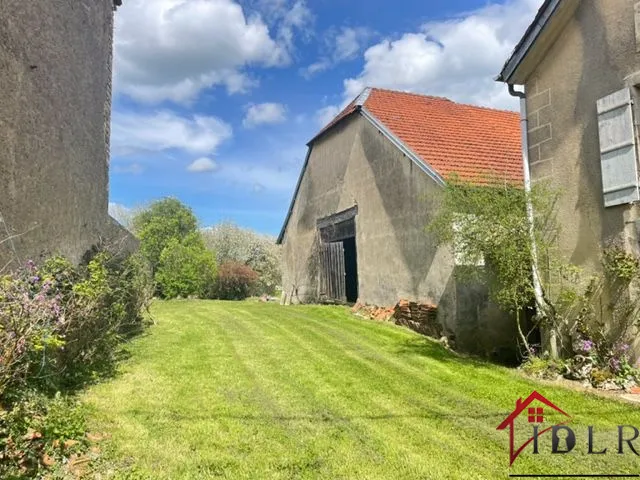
[(618, 156), (536, 415)]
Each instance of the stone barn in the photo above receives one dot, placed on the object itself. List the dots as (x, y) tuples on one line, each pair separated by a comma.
[(356, 227), (55, 99)]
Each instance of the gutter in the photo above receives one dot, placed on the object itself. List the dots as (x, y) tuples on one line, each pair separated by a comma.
[(537, 284), (531, 35)]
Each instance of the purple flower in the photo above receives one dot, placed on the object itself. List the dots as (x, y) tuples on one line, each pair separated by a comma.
[(587, 345), (615, 365), (34, 279)]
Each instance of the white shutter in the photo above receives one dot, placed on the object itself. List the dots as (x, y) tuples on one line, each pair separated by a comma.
[(618, 149)]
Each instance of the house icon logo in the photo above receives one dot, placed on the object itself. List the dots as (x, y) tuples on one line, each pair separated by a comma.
[(533, 409)]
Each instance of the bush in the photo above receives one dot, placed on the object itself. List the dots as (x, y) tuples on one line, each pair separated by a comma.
[(60, 327), (38, 432), (232, 243), (186, 268), (235, 281), (543, 367)]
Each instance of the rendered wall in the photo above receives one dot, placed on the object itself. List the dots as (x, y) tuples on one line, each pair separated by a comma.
[(595, 55), (355, 164), (55, 101)]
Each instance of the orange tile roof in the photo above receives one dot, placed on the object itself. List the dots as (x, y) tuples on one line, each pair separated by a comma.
[(474, 143)]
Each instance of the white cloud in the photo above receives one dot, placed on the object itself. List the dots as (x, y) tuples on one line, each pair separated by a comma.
[(456, 58), (259, 178), (258, 188), (315, 68), (173, 49), (349, 42), (133, 169), (344, 46), (326, 114), (135, 132), (264, 113), (202, 165), (294, 18)]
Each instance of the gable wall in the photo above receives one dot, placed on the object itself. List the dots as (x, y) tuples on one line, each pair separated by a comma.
[(592, 58), (55, 94), (355, 164)]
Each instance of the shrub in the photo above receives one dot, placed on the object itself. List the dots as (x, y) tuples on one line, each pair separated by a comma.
[(186, 269), (60, 327), (37, 433), (543, 367), (235, 281), (232, 243), (59, 324)]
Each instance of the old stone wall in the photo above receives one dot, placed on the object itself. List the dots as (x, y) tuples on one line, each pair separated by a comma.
[(55, 98), (595, 55)]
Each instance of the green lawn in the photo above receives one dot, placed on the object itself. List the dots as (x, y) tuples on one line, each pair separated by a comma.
[(250, 390)]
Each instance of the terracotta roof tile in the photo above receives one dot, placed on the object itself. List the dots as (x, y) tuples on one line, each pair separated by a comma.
[(474, 143)]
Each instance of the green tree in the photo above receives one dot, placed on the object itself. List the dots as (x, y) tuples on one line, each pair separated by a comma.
[(163, 221), (240, 245), (492, 222), (186, 268)]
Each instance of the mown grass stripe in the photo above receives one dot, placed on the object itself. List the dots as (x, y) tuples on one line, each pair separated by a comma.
[(250, 390)]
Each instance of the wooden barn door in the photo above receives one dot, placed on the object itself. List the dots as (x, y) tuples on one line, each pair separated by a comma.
[(332, 273)]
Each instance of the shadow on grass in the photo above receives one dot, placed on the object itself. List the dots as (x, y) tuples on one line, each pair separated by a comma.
[(103, 370), (429, 348)]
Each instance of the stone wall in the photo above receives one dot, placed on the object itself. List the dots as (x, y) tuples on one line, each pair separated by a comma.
[(55, 99), (595, 55)]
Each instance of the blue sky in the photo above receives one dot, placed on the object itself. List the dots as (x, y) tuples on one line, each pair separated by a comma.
[(214, 100)]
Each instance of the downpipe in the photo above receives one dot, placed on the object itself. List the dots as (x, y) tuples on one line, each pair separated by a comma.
[(537, 284)]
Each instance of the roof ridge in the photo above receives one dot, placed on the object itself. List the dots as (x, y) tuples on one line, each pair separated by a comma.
[(437, 97), (415, 94)]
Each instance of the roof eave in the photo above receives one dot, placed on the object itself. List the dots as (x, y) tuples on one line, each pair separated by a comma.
[(546, 14), (293, 198), (331, 126)]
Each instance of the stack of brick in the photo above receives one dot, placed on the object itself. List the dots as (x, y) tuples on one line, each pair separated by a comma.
[(382, 314), (421, 317)]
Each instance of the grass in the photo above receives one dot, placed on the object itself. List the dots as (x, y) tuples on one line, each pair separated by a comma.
[(252, 390)]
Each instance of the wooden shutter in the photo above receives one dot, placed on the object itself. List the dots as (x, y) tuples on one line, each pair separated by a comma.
[(618, 149), (332, 273)]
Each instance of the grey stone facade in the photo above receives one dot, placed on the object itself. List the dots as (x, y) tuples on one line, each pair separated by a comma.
[(55, 104), (353, 164)]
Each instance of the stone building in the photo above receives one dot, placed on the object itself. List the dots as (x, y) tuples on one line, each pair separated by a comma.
[(356, 228), (577, 71), (55, 107), (578, 68)]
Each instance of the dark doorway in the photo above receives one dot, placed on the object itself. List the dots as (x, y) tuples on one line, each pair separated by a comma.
[(338, 257), (351, 269)]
